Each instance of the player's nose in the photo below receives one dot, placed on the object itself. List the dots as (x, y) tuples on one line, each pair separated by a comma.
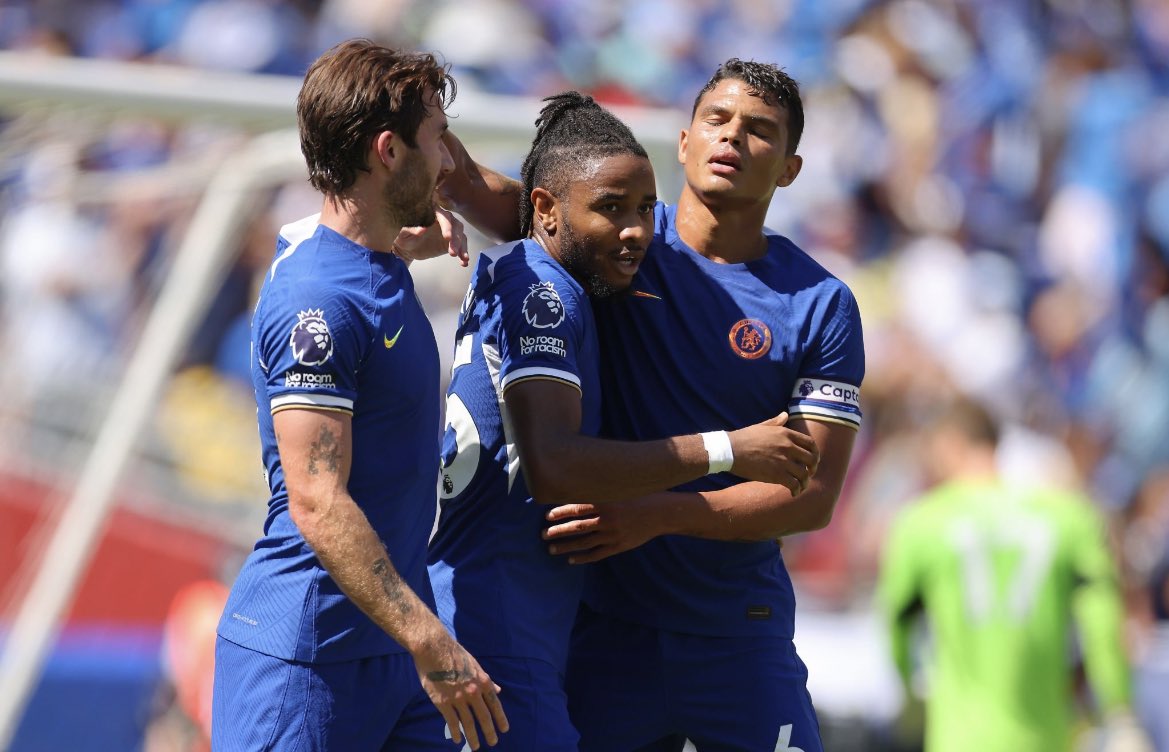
[(732, 131), (635, 236), (447, 166)]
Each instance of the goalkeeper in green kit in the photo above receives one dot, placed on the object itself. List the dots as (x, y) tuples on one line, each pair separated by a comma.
[(1000, 573)]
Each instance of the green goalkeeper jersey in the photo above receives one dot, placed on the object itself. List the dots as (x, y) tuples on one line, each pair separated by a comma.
[(1001, 574)]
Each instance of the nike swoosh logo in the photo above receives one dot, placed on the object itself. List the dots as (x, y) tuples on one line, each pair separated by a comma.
[(643, 294), (391, 342)]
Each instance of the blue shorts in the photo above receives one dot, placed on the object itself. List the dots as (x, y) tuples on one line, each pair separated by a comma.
[(537, 709), (374, 704), (632, 688)]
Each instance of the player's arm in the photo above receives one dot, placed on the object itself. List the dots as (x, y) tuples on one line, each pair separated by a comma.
[(825, 405), (489, 200), (316, 452), (899, 594), (1098, 610), (744, 512), (763, 511), (561, 465), (1099, 615)]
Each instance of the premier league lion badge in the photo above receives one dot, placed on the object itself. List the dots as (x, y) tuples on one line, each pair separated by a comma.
[(311, 342), (543, 308)]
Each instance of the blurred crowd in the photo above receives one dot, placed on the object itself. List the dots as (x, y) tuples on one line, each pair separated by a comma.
[(990, 176)]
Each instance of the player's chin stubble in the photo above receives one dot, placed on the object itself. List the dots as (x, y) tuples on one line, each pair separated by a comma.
[(410, 200), (580, 259)]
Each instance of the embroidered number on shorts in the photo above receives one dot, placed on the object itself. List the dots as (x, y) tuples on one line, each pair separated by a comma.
[(785, 737), (446, 731)]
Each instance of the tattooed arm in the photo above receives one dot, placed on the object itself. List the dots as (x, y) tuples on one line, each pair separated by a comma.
[(316, 452)]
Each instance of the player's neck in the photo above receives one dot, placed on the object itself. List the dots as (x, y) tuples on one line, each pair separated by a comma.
[(730, 235), (359, 220)]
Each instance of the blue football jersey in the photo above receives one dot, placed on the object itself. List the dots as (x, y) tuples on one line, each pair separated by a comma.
[(702, 346), (338, 327), (497, 588)]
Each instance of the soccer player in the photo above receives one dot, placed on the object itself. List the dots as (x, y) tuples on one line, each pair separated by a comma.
[(524, 405), (688, 632), (328, 639), (1000, 572)]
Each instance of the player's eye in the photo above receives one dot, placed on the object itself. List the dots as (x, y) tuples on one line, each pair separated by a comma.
[(645, 209)]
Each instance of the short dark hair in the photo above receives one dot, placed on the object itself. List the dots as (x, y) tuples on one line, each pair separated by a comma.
[(572, 130), (353, 92), (769, 83)]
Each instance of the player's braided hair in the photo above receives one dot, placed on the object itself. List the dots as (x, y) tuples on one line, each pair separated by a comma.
[(571, 131), (769, 83)]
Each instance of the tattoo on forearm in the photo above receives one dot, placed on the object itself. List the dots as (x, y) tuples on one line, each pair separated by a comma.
[(326, 450), (392, 584), (452, 675)]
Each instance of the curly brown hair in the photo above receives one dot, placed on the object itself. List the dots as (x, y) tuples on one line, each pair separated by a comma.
[(355, 91)]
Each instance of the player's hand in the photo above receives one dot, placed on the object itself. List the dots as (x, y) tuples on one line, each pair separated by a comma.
[(461, 690), (591, 532), (446, 235), (1122, 733), (773, 453)]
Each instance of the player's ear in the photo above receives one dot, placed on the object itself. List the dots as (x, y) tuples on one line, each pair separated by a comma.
[(546, 210), (791, 168), (682, 146), (386, 148)]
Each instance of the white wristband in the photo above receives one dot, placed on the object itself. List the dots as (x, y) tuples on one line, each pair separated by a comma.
[(720, 458)]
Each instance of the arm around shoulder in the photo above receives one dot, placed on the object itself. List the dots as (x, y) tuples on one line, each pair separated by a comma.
[(488, 199)]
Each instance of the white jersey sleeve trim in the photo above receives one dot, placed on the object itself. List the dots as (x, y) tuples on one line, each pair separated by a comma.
[(813, 412), (308, 399), (540, 372)]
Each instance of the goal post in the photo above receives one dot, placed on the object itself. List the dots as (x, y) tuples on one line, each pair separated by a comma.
[(254, 102)]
